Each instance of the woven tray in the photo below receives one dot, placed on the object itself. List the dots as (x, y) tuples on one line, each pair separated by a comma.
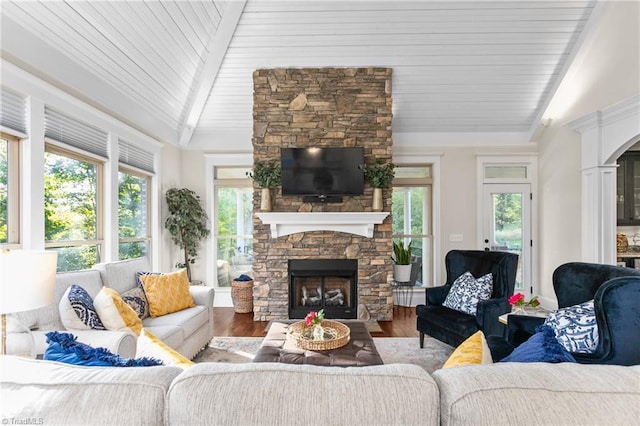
[(300, 333)]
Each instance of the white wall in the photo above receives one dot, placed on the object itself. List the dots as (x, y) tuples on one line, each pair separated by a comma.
[(606, 71), (170, 178)]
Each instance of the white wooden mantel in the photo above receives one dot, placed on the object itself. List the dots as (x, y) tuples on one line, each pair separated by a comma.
[(286, 223)]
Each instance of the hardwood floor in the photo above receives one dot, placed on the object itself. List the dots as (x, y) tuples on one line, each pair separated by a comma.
[(230, 324)]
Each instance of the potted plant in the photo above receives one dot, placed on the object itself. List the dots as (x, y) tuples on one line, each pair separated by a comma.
[(267, 176), (187, 223), (402, 262), (379, 175)]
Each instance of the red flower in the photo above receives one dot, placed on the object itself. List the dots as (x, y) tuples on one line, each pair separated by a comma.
[(314, 317), (517, 299)]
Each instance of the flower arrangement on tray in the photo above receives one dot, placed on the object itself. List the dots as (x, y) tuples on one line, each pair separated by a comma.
[(314, 318), (518, 302)]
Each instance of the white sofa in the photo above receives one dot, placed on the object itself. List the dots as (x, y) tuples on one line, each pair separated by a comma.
[(187, 331), (290, 394)]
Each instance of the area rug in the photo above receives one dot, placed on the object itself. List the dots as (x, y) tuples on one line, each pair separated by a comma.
[(393, 350)]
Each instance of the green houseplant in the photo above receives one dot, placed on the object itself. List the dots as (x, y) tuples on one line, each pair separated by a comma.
[(266, 175), (379, 175), (402, 261), (187, 223)]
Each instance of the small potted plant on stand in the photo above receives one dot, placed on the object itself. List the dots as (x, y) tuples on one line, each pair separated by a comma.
[(379, 175), (402, 262), (267, 176), (187, 223)]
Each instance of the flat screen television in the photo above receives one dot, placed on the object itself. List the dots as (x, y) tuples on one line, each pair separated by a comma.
[(322, 172)]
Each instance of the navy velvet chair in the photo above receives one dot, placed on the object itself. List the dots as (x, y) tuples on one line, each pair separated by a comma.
[(453, 327), (615, 291)]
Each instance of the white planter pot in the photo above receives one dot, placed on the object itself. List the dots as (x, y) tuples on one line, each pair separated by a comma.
[(376, 204), (402, 273), (265, 200)]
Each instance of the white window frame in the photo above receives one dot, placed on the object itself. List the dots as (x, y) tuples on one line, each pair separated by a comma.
[(76, 154), (147, 238), (13, 192)]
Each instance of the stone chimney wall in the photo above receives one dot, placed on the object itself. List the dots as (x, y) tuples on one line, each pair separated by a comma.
[(322, 107)]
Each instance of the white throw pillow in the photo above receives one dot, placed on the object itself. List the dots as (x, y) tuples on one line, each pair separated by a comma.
[(466, 291), (575, 327)]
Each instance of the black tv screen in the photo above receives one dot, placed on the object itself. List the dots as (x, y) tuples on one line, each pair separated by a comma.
[(322, 171)]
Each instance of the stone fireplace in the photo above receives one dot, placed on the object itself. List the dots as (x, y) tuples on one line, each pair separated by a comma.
[(322, 107)]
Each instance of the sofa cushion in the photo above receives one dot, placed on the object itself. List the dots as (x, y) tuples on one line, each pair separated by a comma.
[(289, 394), (541, 347), (65, 394), (472, 351), (77, 311), (64, 347), (539, 393), (189, 320), (172, 335), (149, 345), (121, 275), (466, 291), (167, 293), (115, 313), (575, 327), (137, 300)]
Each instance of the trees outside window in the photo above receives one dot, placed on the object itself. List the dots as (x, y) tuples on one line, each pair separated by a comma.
[(72, 208), (133, 214)]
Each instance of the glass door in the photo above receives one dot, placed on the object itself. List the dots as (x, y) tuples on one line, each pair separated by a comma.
[(506, 226)]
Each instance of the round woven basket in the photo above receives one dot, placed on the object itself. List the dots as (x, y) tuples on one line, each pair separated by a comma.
[(300, 333), (242, 296)]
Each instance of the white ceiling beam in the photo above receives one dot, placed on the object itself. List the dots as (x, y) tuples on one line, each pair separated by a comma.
[(540, 122), (217, 48)]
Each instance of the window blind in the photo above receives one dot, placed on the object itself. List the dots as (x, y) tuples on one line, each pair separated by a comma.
[(135, 156), (13, 110), (68, 130)]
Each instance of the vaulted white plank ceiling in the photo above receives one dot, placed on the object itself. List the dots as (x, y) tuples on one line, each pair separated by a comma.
[(182, 70)]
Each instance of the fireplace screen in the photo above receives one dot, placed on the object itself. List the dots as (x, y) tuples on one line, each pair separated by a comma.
[(328, 284)]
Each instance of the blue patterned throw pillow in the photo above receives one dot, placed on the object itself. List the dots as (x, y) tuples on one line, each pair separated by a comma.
[(575, 327), (63, 347), (77, 311), (138, 301), (466, 291)]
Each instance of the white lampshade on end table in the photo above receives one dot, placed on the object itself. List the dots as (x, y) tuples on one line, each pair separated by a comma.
[(27, 281)]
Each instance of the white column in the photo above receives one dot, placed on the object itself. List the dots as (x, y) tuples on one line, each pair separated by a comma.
[(599, 214), (32, 177)]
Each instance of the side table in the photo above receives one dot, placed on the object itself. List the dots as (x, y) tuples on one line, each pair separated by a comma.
[(402, 293), (537, 312)]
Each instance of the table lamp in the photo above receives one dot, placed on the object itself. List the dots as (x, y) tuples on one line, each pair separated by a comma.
[(27, 281)]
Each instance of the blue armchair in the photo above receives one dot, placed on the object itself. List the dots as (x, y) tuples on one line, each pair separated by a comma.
[(453, 327), (615, 291)]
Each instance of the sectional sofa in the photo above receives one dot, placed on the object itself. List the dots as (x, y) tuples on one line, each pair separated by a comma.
[(289, 394), (187, 331)]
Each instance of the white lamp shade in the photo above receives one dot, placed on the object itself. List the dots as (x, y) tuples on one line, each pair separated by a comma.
[(27, 279)]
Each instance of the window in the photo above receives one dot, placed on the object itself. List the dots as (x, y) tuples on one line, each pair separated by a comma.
[(9, 191), (411, 210), (133, 214), (233, 231), (72, 208)]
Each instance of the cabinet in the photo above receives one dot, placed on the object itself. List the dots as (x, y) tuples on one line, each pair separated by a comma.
[(628, 189)]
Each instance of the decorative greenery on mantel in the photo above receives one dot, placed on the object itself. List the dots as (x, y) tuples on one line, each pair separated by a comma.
[(378, 175), (266, 174)]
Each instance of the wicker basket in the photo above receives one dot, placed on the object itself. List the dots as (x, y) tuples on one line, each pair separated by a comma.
[(242, 296), (299, 332)]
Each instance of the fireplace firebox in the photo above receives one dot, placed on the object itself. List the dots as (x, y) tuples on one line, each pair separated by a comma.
[(329, 284)]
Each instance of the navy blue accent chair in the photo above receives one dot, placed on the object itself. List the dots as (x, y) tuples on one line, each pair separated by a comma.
[(453, 327), (615, 291)]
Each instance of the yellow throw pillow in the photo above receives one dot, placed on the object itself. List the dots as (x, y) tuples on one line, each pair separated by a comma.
[(114, 312), (167, 293), (472, 351), (149, 345)]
